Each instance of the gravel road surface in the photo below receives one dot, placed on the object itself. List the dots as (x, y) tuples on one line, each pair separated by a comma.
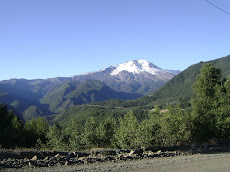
[(199, 162)]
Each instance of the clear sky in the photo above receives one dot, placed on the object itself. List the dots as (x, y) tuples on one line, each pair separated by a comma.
[(50, 38)]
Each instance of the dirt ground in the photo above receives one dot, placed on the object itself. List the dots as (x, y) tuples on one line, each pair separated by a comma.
[(199, 162)]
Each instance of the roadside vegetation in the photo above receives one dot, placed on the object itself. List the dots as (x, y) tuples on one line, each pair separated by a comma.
[(207, 116)]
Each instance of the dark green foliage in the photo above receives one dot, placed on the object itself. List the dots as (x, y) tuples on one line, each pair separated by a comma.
[(178, 89), (128, 124), (211, 105), (207, 117), (105, 133), (34, 112), (10, 127), (175, 126), (15, 134), (75, 134), (34, 98), (19, 93), (74, 93), (90, 134), (57, 140), (156, 130), (99, 134), (126, 134), (35, 130)]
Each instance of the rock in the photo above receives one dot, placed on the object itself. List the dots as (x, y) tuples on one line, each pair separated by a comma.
[(81, 158), (131, 153), (35, 158), (67, 163), (158, 152), (149, 153), (56, 156)]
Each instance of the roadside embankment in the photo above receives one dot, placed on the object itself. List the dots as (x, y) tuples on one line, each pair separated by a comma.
[(28, 160)]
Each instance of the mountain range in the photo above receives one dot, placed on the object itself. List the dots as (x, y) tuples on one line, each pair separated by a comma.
[(129, 80), (176, 91), (137, 76), (179, 89)]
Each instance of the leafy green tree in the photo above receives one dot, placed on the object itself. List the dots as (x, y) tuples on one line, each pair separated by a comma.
[(149, 129), (10, 129), (223, 110), (175, 127), (206, 103), (126, 134), (166, 128), (35, 130), (105, 133), (56, 138), (16, 131), (75, 135), (90, 132)]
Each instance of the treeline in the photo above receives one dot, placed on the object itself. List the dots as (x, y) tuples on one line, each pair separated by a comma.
[(126, 132), (14, 133), (207, 117)]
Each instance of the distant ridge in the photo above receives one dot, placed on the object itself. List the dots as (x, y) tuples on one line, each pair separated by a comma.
[(179, 89), (42, 97), (137, 76)]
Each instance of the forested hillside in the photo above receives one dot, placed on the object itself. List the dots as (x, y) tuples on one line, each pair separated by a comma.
[(179, 89), (16, 133), (47, 97), (33, 99), (74, 93), (208, 117)]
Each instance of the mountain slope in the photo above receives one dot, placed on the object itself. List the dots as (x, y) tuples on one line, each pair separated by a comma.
[(74, 93), (179, 89), (137, 76), (129, 80)]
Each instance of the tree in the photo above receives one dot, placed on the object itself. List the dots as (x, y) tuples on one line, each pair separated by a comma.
[(56, 139), (149, 129), (175, 126), (74, 132), (208, 92), (35, 130), (126, 134), (10, 129), (90, 132), (16, 133), (105, 133)]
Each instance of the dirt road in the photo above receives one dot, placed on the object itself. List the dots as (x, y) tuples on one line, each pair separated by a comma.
[(200, 162)]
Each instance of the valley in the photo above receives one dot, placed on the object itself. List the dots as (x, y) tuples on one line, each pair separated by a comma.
[(63, 114), (126, 81), (114, 85)]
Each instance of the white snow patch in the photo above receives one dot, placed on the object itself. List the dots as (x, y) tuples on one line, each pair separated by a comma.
[(136, 66)]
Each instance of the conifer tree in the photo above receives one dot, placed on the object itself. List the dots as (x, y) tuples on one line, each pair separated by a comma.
[(126, 134), (207, 100)]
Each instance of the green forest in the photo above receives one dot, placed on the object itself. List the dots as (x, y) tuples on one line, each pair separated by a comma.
[(206, 116)]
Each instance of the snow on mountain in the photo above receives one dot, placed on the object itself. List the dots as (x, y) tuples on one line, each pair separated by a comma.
[(136, 67), (137, 76)]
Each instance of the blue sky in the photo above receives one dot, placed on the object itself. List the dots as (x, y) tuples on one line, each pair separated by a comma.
[(50, 38)]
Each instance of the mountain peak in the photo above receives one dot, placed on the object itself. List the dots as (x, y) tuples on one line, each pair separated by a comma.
[(135, 67)]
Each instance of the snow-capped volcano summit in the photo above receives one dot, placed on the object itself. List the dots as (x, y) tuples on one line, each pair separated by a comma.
[(137, 76), (135, 67)]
